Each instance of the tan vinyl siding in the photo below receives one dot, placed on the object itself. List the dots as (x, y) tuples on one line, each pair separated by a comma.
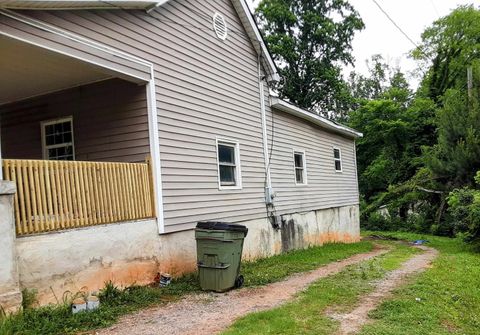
[(109, 118), (206, 88), (325, 187)]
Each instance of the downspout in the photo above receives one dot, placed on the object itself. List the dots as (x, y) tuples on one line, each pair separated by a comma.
[(268, 184), (356, 170)]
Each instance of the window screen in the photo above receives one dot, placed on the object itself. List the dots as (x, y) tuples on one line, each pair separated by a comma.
[(227, 164), (299, 158), (338, 159), (58, 140)]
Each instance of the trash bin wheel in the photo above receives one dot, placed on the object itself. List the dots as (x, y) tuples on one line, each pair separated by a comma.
[(239, 281)]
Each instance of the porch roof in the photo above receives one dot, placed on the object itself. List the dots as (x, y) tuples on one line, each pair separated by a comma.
[(28, 71), (241, 7)]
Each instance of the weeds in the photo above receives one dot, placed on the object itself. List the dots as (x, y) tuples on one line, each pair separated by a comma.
[(116, 301), (29, 298)]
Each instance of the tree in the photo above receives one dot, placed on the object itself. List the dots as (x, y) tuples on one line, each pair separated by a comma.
[(456, 157), (309, 40), (448, 47), (372, 87)]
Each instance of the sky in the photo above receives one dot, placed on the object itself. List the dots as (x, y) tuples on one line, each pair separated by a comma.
[(380, 36)]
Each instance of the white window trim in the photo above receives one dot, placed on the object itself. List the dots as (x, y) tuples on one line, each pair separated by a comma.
[(45, 148), (337, 159), (304, 158), (238, 168)]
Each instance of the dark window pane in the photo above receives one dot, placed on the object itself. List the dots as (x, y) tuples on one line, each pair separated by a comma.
[(227, 175), (226, 154), (66, 127), (62, 153), (49, 129), (58, 138), (298, 160), (49, 139), (52, 153), (58, 128), (336, 153), (67, 137), (299, 176), (338, 165)]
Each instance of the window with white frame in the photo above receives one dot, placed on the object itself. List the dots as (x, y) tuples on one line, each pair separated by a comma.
[(337, 156), (300, 167), (228, 158), (57, 139)]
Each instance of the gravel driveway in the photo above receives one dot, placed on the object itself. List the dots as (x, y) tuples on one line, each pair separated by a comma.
[(210, 313)]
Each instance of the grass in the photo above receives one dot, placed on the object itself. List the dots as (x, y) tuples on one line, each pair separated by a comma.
[(305, 314), (58, 319), (268, 270), (445, 299), (449, 295), (116, 302)]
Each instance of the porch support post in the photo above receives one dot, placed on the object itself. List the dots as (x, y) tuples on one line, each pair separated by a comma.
[(155, 150), (10, 296), (1, 163)]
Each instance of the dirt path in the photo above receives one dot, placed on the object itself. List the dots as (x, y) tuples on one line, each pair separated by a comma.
[(210, 313), (350, 323)]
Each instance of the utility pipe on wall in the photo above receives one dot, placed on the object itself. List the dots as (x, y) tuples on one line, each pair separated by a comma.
[(264, 125)]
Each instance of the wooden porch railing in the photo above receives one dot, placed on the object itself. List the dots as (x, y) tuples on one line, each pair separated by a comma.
[(58, 195)]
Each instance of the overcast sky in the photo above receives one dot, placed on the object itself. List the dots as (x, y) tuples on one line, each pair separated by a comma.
[(381, 37)]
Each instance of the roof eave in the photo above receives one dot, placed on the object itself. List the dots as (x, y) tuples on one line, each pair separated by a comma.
[(82, 4), (240, 6), (287, 107)]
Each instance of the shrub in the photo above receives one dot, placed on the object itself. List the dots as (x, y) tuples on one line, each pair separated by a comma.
[(464, 213)]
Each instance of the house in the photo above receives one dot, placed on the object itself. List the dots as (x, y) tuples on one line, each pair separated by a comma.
[(123, 123)]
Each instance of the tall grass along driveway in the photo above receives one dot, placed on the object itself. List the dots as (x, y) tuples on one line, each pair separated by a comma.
[(121, 301), (444, 299)]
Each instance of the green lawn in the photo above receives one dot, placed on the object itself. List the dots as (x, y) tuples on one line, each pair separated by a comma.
[(305, 314), (449, 297), (59, 320)]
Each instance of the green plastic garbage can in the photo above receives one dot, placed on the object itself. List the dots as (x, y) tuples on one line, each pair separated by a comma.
[(219, 254)]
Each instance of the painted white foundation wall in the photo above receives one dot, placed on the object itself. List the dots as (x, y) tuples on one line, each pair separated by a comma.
[(133, 252)]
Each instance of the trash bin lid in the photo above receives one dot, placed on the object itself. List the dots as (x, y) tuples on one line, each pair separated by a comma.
[(217, 225)]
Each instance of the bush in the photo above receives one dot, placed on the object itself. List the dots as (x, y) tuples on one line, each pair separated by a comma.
[(464, 213)]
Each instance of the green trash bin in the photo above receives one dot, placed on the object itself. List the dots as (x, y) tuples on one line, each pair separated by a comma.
[(219, 254)]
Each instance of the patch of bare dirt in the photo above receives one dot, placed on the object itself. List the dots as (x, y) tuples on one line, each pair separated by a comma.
[(210, 313), (351, 322)]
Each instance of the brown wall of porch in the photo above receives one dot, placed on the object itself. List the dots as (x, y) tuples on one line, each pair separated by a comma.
[(109, 119)]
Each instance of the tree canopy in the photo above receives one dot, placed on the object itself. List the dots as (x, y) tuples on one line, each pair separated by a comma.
[(310, 40), (448, 47), (420, 155)]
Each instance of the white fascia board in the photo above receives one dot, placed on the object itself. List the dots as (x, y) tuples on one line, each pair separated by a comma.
[(287, 107), (79, 4), (254, 33)]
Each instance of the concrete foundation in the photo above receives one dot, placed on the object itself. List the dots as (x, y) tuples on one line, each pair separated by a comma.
[(10, 296), (133, 252)]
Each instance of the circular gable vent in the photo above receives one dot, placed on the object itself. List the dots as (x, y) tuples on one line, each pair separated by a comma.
[(220, 26)]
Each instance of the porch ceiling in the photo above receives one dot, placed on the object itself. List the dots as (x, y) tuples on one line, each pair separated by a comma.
[(27, 70)]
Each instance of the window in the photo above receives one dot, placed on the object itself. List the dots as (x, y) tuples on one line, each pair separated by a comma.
[(57, 140), (337, 156), (228, 156), (300, 168)]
